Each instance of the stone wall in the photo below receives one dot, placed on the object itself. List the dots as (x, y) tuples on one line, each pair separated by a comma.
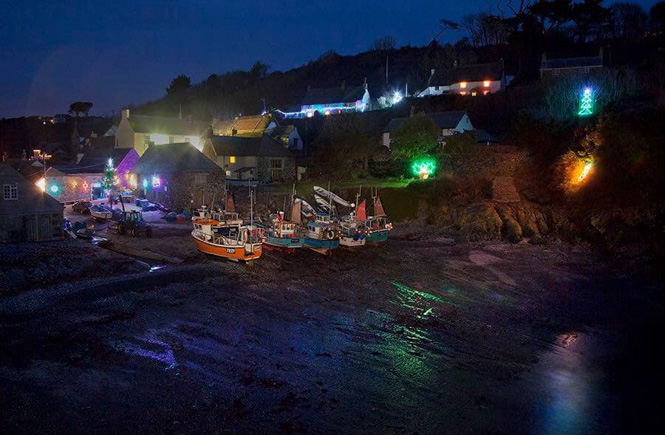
[(264, 169), (488, 161), (186, 189)]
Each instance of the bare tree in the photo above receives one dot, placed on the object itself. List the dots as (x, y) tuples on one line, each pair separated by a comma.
[(383, 44), (485, 29)]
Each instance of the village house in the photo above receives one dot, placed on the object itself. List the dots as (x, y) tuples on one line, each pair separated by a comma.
[(179, 176), (244, 126), (329, 101), (139, 131), (254, 126), (288, 136), (26, 213), (83, 178), (251, 158), (472, 80), (572, 66), (450, 123)]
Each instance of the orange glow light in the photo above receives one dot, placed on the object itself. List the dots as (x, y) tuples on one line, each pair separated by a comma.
[(487, 83), (462, 85), (462, 93)]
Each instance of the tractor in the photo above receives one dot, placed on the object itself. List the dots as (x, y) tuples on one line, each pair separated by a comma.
[(130, 222)]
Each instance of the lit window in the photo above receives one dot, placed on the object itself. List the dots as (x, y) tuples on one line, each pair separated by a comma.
[(462, 85), (462, 93), (156, 181), (232, 159), (10, 192), (485, 92), (486, 83)]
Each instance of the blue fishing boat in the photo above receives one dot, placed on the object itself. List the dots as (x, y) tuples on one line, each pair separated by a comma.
[(284, 235), (322, 234)]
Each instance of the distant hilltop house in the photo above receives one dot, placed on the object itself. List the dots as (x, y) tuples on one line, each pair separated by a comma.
[(259, 158), (259, 125), (571, 66), (139, 131), (178, 175), (479, 79), (450, 123), (329, 101), (26, 213)]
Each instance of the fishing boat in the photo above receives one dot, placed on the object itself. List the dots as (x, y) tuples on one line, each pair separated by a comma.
[(321, 233), (283, 234), (352, 226), (228, 239), (101, 212), (286, 234), (222, 233), (378, 225)]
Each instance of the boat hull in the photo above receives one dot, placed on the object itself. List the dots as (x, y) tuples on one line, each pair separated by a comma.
[(350, 242), (289, 243), (234, 253), (378, 236), (321, 244)]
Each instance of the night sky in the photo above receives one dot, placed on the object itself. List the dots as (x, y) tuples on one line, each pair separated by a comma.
[(126, 51)]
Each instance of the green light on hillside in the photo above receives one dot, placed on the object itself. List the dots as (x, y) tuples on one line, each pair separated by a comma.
[(423, 168), (586, 103)]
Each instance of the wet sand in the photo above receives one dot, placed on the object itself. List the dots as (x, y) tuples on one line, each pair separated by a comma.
[(411, 336)]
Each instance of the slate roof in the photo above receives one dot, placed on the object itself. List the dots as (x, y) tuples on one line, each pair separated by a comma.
[(484, 137), (94, 161), (30, 197), (264, 146), (469, 73), (170, 126), (173, 157), (444, 120), (348, 94), (572, 62), (106, 143), (282, 131)]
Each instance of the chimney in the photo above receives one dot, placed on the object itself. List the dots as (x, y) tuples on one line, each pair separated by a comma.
[(125, 114)]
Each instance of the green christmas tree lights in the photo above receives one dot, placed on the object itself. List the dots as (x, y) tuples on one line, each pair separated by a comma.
[(586, 103)]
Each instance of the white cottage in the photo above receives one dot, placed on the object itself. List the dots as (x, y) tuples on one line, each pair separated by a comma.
[(450, 123)]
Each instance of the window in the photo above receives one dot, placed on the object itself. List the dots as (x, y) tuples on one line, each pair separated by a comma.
[(487, 83), (462, 85), (232, 159), (10, 192), (200, 179), (276, 163)]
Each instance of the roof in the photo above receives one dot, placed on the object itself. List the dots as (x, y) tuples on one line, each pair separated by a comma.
[(173, 157), (282, 131), (87, 128), (105, 143), (264, 146), (170, 126), (348, 94), (484, 137), (251, 124), (572, 62), (468, 73), (30, 197), (443, 120), (96, 160)]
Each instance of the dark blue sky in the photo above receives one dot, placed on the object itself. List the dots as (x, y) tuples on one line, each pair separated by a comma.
[(126, 51)]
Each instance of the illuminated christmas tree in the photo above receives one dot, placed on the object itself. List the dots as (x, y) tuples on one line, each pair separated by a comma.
[(109, 175), (586, 103)]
